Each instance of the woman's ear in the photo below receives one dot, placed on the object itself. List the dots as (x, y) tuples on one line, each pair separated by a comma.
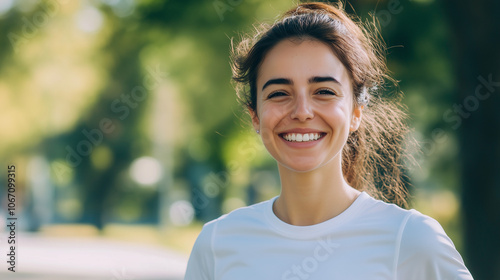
[(357, 113), (255, 119)]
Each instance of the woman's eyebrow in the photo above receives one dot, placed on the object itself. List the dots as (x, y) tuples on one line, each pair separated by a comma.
[(279, 81), (315, 79), (318, 79)]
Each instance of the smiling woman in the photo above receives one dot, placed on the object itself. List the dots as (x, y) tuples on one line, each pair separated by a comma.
[(372, 156), (312, 86)]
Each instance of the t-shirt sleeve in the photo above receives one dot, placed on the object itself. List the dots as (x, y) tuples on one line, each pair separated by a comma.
[(201, 261), (427, 253)]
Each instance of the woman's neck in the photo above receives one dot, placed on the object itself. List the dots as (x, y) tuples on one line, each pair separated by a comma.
[(309, 198)]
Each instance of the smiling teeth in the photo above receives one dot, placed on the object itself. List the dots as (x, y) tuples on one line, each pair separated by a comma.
[(297, 137)]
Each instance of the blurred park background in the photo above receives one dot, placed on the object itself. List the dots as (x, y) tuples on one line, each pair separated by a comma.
[(122, 124)]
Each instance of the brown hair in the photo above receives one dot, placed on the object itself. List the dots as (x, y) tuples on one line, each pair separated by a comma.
[(371, 158)]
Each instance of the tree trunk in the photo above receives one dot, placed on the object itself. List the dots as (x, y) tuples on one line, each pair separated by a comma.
[(475, 29)]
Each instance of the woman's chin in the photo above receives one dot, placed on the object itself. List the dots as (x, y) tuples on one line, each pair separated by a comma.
[(309, 164), (301, 167)]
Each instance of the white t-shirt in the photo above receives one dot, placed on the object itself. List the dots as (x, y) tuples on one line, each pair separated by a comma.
[(370, 240)]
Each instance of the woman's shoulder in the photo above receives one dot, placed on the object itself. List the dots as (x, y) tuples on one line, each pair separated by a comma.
[(422, 234), (376, 209), (415, 227), (426, 252), (423, 249)]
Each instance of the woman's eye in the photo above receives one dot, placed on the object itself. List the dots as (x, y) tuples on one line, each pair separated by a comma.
[(325, 91), (276, 94)]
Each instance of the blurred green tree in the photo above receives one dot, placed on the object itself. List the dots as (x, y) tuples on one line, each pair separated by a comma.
[(476, 36)]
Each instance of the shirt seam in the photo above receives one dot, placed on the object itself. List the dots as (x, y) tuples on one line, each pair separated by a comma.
[(399, 238), (212, 238)]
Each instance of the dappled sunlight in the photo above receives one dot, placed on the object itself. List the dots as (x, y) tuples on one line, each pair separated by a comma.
[(443, 205)]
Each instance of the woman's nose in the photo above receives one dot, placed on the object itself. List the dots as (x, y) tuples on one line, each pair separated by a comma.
[(302, 110)]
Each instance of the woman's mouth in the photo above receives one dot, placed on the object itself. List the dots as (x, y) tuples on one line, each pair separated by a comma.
[(302, 137)]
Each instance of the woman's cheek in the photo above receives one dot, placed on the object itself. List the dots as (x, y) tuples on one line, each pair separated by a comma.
[(271, 114), (268, 120), (338, 116)]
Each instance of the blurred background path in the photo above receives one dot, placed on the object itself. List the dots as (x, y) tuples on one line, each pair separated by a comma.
[(41, 257)]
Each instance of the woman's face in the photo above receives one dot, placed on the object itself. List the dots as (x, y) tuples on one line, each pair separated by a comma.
[(304, 105)]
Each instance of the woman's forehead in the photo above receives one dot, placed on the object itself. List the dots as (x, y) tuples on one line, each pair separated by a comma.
[(301, 60)]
